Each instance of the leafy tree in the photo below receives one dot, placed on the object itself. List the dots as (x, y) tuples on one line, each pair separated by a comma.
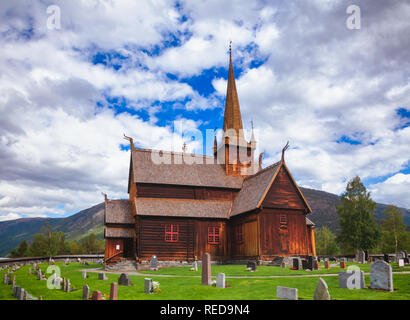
[(21, 250), (326, 242), (92, 245), (359, 229), (395, 237)]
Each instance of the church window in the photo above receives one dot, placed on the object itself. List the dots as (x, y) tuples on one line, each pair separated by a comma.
[(171, 232), (213, 235)]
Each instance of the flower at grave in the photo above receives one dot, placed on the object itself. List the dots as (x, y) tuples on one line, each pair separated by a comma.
[(293, 268), (192, 269), (213, 283), (155, 286)]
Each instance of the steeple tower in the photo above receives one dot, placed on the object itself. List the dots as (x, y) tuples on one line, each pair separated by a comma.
[(234, 152), (232, 116)]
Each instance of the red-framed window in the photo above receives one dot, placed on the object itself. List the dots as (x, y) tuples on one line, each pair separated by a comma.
[(171, 232), (213, 235), (239, 233)]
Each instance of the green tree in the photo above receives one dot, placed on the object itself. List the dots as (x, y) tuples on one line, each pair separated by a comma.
[(326, 242), (91, 244), (359, 229), (48, 243), (21, 251), (395, 237)]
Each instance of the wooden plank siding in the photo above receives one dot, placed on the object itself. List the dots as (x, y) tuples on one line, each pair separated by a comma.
[(283, 193), (182, 192), (278, 240), (248, 248), (192, 239)]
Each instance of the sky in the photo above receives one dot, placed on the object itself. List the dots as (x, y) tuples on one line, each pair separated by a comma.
[(77, 75)]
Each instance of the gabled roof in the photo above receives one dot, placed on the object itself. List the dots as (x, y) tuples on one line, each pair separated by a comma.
[(256, 187), (183, 208), (204, 172), (118, 212), (254, 190)]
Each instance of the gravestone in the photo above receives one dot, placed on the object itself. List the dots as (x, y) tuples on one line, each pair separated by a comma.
[(84, 274), (316, 265), (148, 286), (68, 288), (252, 266), (6, 279), (351, 279), (96, 295), (101, 276), (114, 291), (283, 265), (57, 283), (321, 291), (195, 266), (342, 264), (206, 269), (124, 280), (29, 270), (361, 256), (381, 276), (20, 295), (86, 292), (286, 293), (16, 291), (220, 280), (25, 295), (297, 263), (310, 262), (401, 262), (327, 264), (406, 255), (386, 258), (67, 261), (13, 282), (154, 263)]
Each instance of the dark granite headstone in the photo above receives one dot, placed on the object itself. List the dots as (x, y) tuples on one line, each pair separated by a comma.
[(251, 265), (386, 258), (298, 263), (124, 280)]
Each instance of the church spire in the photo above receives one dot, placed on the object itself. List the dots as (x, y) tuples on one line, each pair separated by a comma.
[(232, 116)]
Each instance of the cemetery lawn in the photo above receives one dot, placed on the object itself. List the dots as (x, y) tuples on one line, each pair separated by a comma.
[(190, 288), (240, 270)]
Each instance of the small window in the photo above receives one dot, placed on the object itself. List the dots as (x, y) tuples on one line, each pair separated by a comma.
[(239, 234), (171, 232), (213, 235), (283, 222)]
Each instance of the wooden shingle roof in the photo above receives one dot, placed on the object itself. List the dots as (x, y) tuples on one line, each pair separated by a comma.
[(180, 171), (119, 212), (119, 232), (254, 190), (183, 208)]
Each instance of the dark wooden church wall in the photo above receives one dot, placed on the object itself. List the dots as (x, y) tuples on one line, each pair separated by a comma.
[(283, 193), (246, 246), (182, 192), (283, 238), (192, 239)]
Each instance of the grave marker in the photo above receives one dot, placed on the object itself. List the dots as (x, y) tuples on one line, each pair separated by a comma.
[(124, 280), (114, 291), (321, 291), (381, 276), (220, 280), (206, 269), (148, 286), (286, 293), (96, 295), (86, 292), (351, 279)]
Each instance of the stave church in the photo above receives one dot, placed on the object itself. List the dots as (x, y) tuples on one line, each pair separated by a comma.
[(225, 204)]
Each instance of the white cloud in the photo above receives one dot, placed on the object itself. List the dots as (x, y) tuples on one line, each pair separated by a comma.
[(394, 190), (10, 216)]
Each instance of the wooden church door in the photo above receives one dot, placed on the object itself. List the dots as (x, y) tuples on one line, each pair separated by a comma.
[(284, 235)]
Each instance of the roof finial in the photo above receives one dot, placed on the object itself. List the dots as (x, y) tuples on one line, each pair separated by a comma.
[(230, 49), (184, 147), (283, 151), (130, 140)]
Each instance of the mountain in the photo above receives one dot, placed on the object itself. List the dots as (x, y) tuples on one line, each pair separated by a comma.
[(323, 205), (79, 225)]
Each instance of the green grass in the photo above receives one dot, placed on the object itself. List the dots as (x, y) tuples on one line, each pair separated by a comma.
[(240, 270), (180, 288)]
